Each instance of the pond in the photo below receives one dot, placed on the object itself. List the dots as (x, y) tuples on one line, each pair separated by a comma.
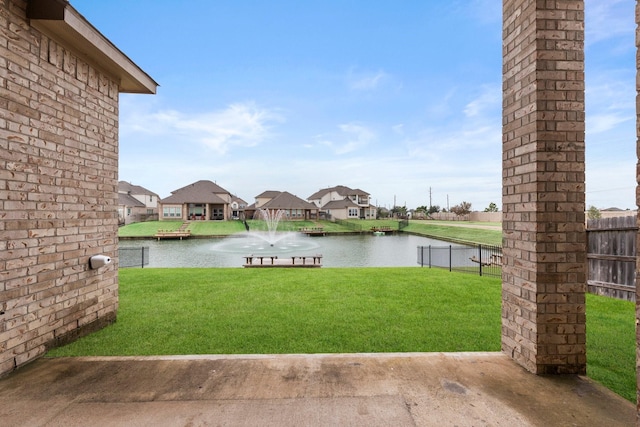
[(399, 250)]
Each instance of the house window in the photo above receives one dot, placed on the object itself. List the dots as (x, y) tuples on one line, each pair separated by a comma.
[(128, 211), (217, 213), (353, 212), (171, 211)]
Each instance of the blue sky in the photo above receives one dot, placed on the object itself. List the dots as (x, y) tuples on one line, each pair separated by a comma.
[(399, 99)]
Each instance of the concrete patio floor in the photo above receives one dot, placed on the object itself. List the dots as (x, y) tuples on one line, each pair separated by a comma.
[(404, 389)]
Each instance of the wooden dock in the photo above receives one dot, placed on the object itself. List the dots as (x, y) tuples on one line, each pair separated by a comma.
[(272, 261), (172, 234), (312, 231)]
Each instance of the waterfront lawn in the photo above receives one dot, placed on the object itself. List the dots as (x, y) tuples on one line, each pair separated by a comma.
[(225, 228), (334, 310), (455, 233), (147, 229), (328, 310), (220, 228), (216, 228)]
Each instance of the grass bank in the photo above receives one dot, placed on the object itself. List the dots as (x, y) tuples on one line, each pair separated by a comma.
[(469, 233), (458, 232), (236, 311)]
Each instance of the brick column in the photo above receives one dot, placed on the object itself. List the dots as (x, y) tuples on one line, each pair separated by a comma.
[(544, 273)]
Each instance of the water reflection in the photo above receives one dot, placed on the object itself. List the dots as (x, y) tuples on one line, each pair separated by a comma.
[(337, 251)]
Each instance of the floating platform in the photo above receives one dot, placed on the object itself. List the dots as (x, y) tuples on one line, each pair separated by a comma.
[(381, 231), (308, 261)]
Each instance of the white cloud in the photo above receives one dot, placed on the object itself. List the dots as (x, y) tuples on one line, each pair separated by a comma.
[(365, 81), (487, 101), (609, 19), (353, 137), (238, 125), (599, 123), (398, 129)]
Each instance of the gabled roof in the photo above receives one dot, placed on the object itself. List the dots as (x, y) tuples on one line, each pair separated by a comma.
[(286, 200), (127, 187), (127, 200), (342, 190), (269, 194), (238, 200), (199, 192), (340, 204)]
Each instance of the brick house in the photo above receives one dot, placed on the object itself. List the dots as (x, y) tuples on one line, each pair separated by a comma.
[(60, 80), (136, 203), (342, 202), (201, 200), (294, 207)]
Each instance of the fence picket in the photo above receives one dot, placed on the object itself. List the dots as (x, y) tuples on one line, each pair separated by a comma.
[(611, 256)]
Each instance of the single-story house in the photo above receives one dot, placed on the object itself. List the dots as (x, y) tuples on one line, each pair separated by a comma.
[(202, 200), (294, 207)]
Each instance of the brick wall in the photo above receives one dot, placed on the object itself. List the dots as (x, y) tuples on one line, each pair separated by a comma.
[(544, 281), (58, 192)]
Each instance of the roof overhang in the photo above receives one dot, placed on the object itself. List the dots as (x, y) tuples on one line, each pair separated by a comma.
[(58, 20)]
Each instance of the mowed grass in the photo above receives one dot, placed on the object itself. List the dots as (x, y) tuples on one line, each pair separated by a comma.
[(235, 311), (611, 344), (278, 311), (437, 229), (440, 230)]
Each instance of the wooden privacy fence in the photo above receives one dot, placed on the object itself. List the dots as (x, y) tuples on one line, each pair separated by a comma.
[(611, 257)]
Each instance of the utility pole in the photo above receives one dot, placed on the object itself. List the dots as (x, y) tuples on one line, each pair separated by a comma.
[(430, 204)]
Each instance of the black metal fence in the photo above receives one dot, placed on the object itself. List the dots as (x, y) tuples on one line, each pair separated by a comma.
[(485, 260), (133, 257)]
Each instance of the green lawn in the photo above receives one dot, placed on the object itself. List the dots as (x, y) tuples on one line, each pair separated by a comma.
[(437, 229), (220, 228), (235, 311), (442, 230), (215, 228), (186, 311), (147, 229), (611, 344)]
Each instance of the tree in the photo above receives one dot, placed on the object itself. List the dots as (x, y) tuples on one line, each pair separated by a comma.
[(492, 208), (399, 211), (593, 213), (434, 209), (462, 209), (383, 212)]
